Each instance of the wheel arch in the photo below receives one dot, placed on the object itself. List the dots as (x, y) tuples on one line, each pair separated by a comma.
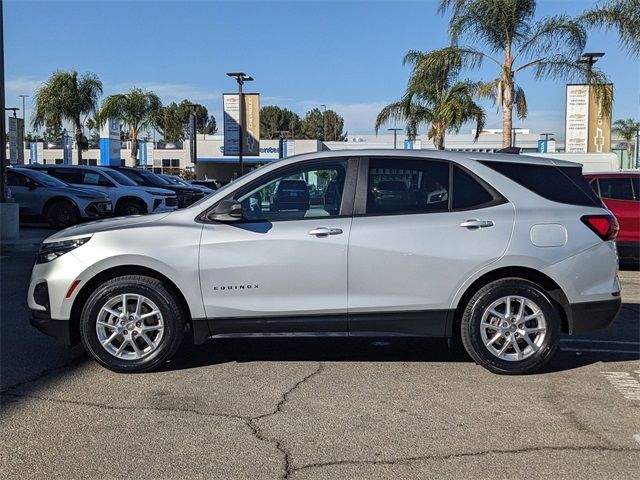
[(59, 198), (535, 276), (113, 272), (131, 198)]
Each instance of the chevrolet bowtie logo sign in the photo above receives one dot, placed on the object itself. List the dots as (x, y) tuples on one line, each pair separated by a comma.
[(598, 139)]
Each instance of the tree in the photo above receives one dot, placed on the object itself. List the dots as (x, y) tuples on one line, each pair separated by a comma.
[(507, 35), (170, 126), (436, 98), (274, 120), (327, 126), (53, 133), (67, 96), (622, 15), (627, 130), (205, 124), (138, 109)]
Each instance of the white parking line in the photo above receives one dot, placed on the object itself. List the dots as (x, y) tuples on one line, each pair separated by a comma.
[(625, 383), (577, 340), (636, 437), (603, 350)]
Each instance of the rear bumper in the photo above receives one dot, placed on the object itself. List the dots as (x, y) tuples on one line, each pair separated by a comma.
[(590, 316)]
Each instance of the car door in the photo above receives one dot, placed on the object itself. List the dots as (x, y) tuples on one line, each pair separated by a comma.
[(280, 269), (409, 253), (24, 192)]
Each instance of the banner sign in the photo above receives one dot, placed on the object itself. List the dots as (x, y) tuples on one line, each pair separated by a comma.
[(145, 153), (587, 128), (16, 140), (251, 124), (193, 131), (546, 146), (110, 142), (599, 124), (66, 150), (36, 152)]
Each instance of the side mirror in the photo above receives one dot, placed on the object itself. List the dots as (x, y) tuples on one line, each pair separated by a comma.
[(227, 211), (32, 185)]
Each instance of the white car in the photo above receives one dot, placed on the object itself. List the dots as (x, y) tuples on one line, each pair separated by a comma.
[(518, 251), (128, 197)]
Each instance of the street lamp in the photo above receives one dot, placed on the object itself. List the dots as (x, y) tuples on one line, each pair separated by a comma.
[(590, 58), (546, 136), (23, 109), (240, 77), (395, 135)]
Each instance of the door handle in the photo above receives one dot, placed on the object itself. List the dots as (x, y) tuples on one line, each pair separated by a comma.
[(325, 231), (475, 223)]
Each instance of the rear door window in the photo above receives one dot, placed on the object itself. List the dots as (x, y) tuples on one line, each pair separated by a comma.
[(558, 184), (69, 175), (468, 192), (616, 188)]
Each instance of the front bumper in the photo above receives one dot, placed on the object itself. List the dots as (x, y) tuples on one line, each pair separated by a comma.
[(590, 316)]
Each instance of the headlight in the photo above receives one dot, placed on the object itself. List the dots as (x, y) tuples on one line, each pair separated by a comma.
[(51, 251), (160, 194)]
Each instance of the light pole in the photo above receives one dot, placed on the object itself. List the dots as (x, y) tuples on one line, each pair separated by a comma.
[(546, 136), (240, 77), (23, 109), (589, 58), (395, 136), (324, 122)]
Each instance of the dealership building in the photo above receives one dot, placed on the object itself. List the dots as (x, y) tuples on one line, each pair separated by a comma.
[(211, 163)]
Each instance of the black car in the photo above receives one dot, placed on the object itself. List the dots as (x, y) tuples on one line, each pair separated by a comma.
[(186, 195), (211, 184), (290, 195)]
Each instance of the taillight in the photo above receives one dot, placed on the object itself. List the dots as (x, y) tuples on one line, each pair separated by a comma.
[(605, 226)]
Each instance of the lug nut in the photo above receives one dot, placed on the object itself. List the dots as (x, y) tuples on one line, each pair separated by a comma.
[(138, 324), (135, 333), (122, 322), (125, 332)]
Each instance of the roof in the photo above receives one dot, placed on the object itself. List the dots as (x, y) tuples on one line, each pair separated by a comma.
[(436, 154), (625, 173)]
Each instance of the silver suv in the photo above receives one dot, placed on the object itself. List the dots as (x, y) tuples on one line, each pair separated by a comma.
[(505, 251)]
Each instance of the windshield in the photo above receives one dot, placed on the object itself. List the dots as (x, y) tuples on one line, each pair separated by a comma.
[(152, 178), (43, 178), (120, 178)]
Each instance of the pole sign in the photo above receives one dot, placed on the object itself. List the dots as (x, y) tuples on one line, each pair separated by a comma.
[(193, 131), (110, 143), (145, 153), (36, 152), (250, 129), (587, 127), (231, 129), (66, 150), (16, 141)]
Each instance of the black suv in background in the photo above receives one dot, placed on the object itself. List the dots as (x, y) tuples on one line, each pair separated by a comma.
[(186, 195)]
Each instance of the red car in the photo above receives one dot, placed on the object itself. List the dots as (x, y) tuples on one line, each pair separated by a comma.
[(620, 191)]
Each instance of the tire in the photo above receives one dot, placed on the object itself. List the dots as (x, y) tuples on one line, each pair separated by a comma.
[(62, 214), (166, 340), (130, 207), (489, 307)]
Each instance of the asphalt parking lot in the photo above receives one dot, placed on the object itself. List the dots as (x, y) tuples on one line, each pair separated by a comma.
[(315, 408)]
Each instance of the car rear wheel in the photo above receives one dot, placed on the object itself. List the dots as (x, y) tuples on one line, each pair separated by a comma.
[(132, 324), (511, 326), (62, 214), (130, 207)]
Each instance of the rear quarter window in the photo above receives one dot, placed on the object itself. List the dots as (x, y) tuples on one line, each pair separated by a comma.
[(558, 184)]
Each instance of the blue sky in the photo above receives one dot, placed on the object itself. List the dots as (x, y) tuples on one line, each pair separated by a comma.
[(345, 54)]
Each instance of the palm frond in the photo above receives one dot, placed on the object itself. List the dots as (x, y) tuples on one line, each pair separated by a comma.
[(551, 34), (621, 15)]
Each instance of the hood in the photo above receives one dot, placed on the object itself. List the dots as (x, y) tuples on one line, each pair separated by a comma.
[(117, 223), (87, 191)]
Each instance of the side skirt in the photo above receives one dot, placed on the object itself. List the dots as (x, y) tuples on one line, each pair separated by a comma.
[(424, 323)]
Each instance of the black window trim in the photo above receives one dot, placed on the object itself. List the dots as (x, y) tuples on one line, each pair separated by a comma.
[(348, 194), (360, 206)]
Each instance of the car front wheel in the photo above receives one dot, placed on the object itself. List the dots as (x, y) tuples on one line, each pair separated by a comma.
[(511, 326), (132, 323)]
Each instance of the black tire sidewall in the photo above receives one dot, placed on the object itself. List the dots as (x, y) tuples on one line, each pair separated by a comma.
[(470, 326), (154, 290), (52, 214), (127, 205)]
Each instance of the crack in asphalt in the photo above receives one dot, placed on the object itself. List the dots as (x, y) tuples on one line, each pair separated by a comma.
[(401, 460), (249, 421)]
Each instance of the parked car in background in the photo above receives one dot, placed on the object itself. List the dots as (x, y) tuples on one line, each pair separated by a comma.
[(290, 195), (620, 191), (179, 181), (61, 204), (211, 184), (128, 197), (388, 194), (186, 195)]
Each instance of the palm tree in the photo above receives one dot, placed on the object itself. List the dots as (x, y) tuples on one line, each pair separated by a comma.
[(505, 33), (622, 15), (138, 110), (434, 97), (67, 96), (627, 130)]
